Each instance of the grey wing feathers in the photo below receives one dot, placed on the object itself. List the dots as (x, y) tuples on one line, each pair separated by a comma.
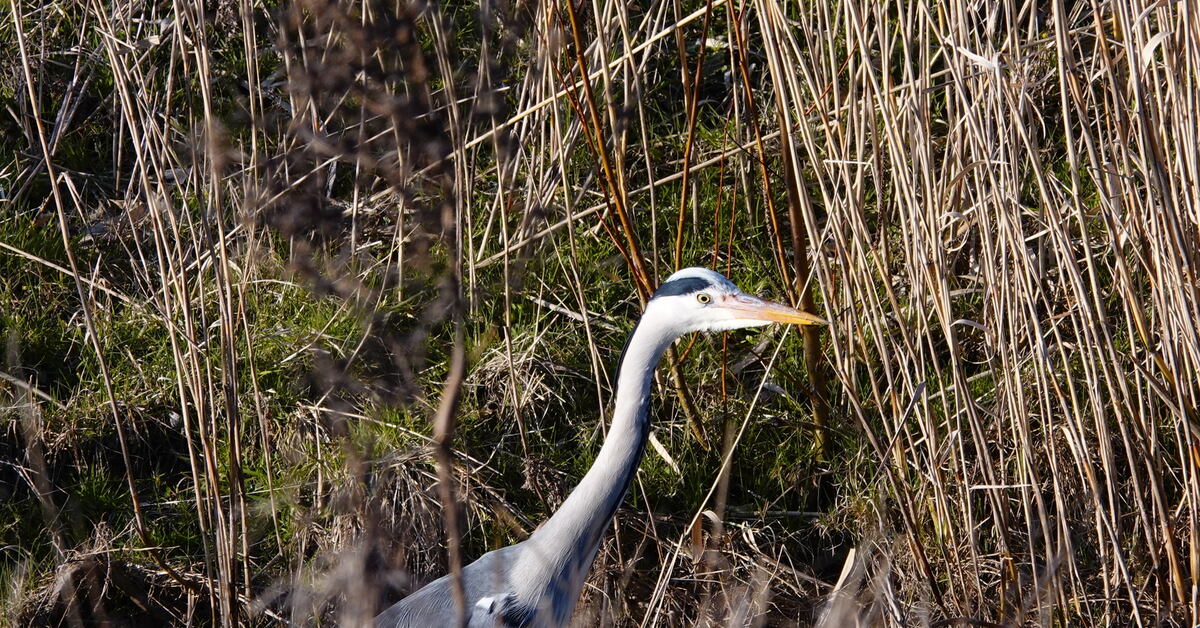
[(516, 615), (502, 612), (433, 604)]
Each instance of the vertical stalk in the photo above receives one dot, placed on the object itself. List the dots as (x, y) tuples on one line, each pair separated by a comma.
[(818, 386)]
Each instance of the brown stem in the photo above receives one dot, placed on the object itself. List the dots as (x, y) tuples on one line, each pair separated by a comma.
[(443, 435), (693, 92), (817, 384), (768, 197), (633, 255)]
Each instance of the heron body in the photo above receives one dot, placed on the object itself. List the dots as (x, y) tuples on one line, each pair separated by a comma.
[(537, 581)]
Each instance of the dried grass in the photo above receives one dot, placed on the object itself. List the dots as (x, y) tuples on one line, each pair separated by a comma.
[(994, 205)]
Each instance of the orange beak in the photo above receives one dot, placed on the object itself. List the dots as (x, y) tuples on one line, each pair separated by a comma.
[(754, 308)]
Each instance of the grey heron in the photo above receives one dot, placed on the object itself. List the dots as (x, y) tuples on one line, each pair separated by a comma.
[(537, 581)]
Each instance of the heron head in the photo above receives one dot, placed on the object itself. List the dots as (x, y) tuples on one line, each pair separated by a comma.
[(699, 299)]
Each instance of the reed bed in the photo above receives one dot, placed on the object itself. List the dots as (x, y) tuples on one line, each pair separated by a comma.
[(307, 302)]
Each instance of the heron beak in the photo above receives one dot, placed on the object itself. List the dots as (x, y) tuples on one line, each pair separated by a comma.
[(745, 306)]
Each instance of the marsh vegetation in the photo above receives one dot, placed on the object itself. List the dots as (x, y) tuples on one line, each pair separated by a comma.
[(270, 269)]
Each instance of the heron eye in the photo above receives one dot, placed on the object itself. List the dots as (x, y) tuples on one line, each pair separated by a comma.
[(703, 298)]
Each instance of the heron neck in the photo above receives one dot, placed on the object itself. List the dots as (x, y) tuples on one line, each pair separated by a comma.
[(572, 535)]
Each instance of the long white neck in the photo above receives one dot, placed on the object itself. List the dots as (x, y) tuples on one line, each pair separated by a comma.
[(566, 544)]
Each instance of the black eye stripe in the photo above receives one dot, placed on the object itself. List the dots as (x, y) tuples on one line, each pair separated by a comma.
[(685, 285)]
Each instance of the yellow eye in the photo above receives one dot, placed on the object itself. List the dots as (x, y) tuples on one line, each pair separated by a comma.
[(703, 298)]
